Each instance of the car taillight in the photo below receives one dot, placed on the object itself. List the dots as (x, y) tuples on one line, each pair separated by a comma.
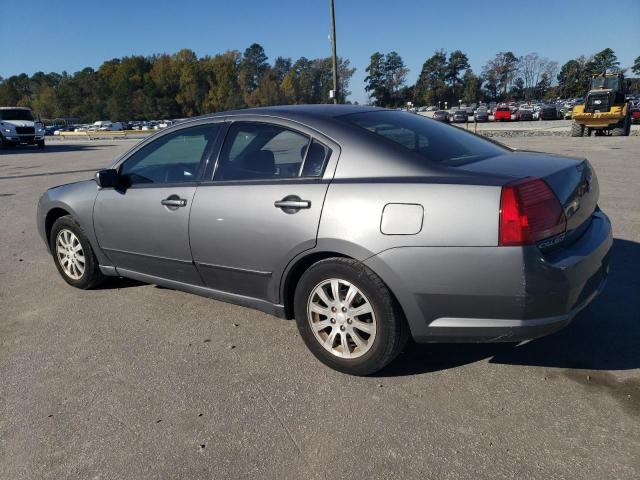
[(529, 212)]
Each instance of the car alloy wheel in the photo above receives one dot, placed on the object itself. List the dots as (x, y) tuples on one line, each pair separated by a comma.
[(342, 318), (70, 254)]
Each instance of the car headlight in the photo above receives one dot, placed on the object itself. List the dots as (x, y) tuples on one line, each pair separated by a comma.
[(7, 130)]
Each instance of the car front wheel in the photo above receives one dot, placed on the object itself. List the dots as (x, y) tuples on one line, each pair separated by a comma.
[(73, 255), (348, 318)]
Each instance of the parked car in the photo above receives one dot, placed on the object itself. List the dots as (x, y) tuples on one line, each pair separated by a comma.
[(397, 238), (481, 115), (460, 116), (441, 116), (548, 112), (50, 130), (18, 127), (502, 114), (635, 114), (524, 114), (67, 128)]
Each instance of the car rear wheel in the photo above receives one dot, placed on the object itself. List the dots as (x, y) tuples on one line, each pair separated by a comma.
[(73, 255), (348, 318)]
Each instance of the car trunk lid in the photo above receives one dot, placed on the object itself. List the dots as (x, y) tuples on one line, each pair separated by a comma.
[(572, 180)]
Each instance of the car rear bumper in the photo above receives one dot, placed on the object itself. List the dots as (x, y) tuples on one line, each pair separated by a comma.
[(490, 294)]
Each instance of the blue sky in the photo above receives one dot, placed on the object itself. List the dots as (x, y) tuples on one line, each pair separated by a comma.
[(69, 35)]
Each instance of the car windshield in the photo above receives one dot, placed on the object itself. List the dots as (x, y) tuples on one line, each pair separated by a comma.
[(435, 141), (16, 114)]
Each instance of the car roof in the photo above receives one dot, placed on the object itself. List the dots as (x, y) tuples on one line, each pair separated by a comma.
[(314, 110), (320, 117)]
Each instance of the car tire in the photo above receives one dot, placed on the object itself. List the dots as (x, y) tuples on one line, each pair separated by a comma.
[(73, 256), (41, 144), (372, 339)]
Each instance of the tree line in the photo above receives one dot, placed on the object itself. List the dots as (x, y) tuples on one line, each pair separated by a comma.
[(449, 78), (183, 85), (176, 86)]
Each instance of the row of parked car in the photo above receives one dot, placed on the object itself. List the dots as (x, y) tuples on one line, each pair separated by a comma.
[(108, 126), (504, 112)]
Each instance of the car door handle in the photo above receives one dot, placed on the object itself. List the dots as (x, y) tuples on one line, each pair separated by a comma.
[(174, 201), (292, 203)]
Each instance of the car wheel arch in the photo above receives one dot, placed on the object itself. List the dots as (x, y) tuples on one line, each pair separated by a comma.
[(52, 215), (295, 272)]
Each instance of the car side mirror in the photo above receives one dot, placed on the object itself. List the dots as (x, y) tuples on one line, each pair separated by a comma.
[(108, 178)]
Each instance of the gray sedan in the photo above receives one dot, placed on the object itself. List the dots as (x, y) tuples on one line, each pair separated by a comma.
[(366, 225)]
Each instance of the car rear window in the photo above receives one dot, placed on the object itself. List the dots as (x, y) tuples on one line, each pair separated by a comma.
[(433, 140)]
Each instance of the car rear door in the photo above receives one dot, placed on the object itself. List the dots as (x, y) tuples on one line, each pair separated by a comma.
[(144, 228), (262, 207)]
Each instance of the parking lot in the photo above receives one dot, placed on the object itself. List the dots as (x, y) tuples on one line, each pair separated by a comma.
[(133, 381)]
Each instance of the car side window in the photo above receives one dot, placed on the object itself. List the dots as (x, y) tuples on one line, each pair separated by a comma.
[(316, 159), (257, 151), (172, 158)]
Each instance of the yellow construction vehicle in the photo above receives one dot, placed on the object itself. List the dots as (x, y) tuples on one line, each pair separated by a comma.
[(604, 110)]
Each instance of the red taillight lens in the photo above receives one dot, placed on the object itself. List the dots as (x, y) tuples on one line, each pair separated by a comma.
[(529, 212)]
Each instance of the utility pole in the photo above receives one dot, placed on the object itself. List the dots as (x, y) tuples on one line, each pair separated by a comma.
[(333, 53)]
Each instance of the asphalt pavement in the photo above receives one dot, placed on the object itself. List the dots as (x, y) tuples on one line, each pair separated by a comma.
[(133, 381)]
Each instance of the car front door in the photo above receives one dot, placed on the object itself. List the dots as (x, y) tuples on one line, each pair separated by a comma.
[(262, 207), (144, 226)]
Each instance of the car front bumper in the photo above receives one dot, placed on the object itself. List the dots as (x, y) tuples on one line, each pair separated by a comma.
[(23, 139), (492, 294)]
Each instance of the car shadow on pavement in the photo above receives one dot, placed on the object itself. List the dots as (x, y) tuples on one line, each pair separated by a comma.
[(116, 283), (52, 148), (604, 336)]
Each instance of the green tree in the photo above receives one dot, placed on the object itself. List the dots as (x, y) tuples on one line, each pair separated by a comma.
[(252, 66), (458, 62), (431, 85), (165, 85), (192, 84), (395, 77), (636, 66), (544, 85), (500, 71), (517, 89), (224, 91), (570, 79), (375, 80), (471, 92), (605, 60), (281, 67)]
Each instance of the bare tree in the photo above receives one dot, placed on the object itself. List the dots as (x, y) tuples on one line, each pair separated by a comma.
[(532, 67)]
